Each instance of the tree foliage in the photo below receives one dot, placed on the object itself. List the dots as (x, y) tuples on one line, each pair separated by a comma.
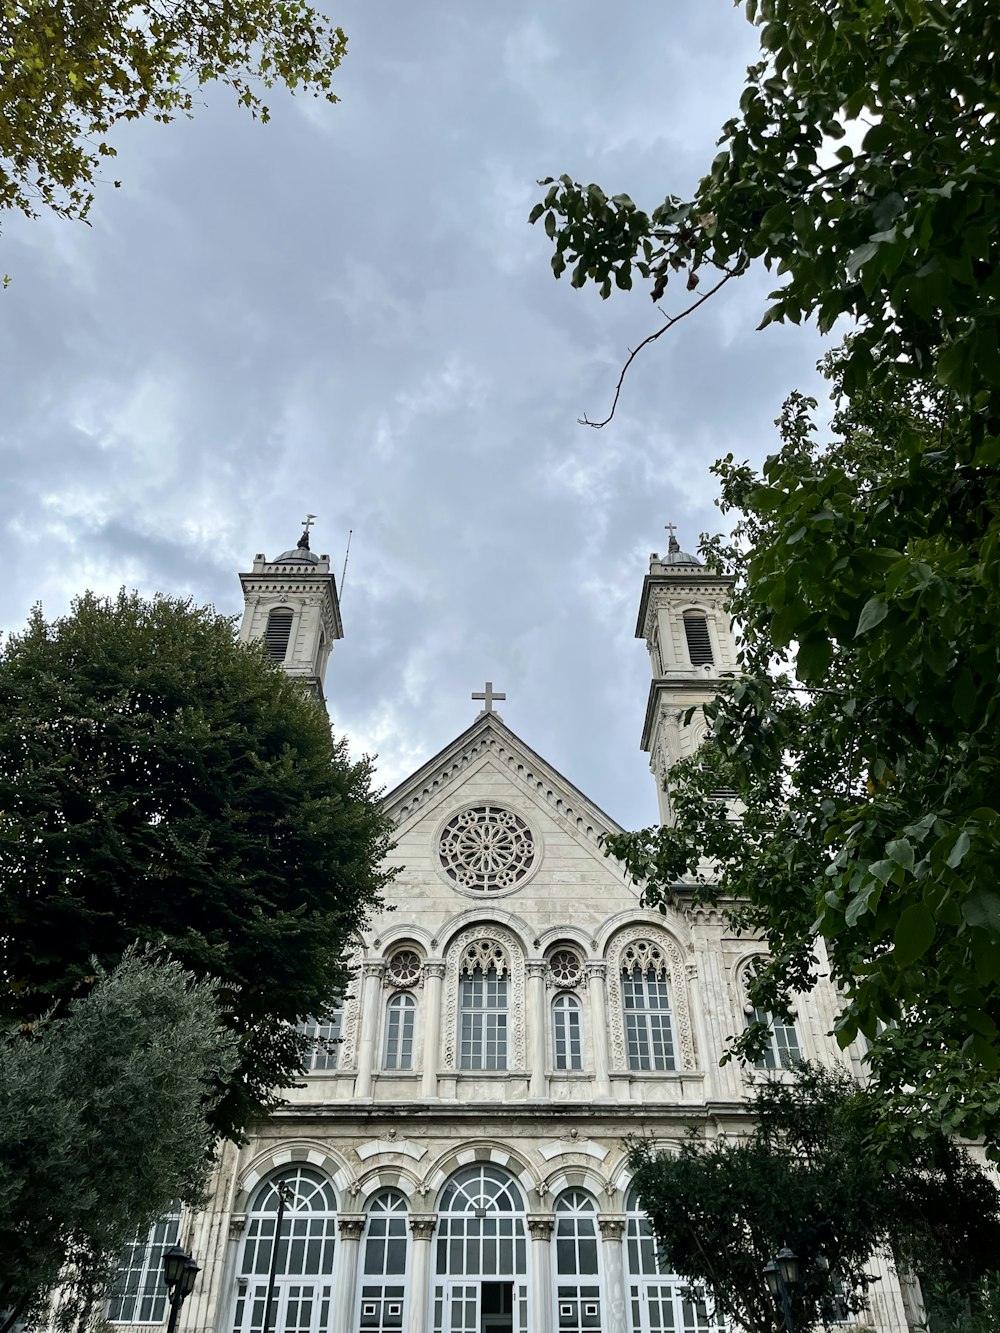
[(868, 780), (104, 1120), (70, 70), (720, 1210), (862, 168), (161, 782)]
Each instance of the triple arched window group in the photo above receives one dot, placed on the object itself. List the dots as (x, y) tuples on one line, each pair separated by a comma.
[(292, 1265)]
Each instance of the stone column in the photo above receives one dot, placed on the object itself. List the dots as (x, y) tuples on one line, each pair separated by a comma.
[(540, 1229), (536, 1016), (351, 1227), (615, 1318), (597, 977), (371, 1003), (422, 1228), (434, 975)]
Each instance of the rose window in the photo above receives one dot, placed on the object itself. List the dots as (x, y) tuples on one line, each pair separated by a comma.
[(564, 966), (404, 968), (487, 848)]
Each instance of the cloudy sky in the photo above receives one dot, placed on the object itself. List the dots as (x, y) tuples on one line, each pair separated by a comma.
[(345, 312)]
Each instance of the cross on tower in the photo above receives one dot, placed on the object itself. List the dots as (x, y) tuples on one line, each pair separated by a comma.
[(308, 521), (671, 528), (671, 539), (488, 697)]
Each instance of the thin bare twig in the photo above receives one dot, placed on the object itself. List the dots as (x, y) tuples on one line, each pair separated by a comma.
[(671, 320)]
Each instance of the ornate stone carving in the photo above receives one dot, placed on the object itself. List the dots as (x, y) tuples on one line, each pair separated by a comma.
[(237, 1222), (351, 1225), (422, 1225), (347, 1054), (565, 968), (487, 848), (484, 941), (655, 953), (484, 954), (540, 1226), (403, 969), (612, 1228)]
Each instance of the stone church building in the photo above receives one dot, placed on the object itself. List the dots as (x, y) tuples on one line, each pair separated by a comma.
[(456, 1163)]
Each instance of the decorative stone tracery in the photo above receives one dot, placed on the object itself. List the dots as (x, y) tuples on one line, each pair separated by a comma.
[(485, 946), (403, 969), (656, 954), (487, 849)]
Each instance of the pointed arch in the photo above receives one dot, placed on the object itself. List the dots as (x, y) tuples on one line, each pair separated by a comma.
[(653, 955)]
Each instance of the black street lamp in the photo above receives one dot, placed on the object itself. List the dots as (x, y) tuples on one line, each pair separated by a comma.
[(781, 1273), (179, 1273)]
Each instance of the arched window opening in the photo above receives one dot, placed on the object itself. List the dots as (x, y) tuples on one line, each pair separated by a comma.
[(659, 1301), (698, 642), (383, 1287), (567, 1032), (646, 1000), (483, 1007), (481, 1253), (400, 1018), (324, 1036), (578, 1301), (290, 1231), (783, 1050), (138, 1294), (279, 628)]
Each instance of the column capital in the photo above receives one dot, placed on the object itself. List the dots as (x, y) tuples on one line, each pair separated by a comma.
[(598, 970), (422, 1225), (351, 1225), (373, 967), (434, 967), (536, 967), (612, 1228), (540, 1226)]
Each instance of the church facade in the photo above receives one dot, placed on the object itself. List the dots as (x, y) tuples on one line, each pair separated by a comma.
[(455, 1162)]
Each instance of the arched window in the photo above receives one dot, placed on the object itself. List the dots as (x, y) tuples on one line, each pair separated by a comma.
[(324, 1034), (699, 644), (659, 1301), (400, 1016), (783, 1050), (578, 1291), (279, 628), (481, 1253), (646, 1000), (383, 1286), (483, 1007), (138, 1294), (290, 1231), (567, 1039)]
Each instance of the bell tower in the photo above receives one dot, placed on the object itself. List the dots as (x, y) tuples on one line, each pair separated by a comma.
[(291, 604), (683, 618)]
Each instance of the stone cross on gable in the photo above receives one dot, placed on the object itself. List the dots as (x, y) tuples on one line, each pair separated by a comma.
[(488, 696)]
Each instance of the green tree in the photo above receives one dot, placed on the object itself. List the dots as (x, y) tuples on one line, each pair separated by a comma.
[(104, 1120), (868, 779), (161, 782), (70, 70), (803, 1177), (862, 167)]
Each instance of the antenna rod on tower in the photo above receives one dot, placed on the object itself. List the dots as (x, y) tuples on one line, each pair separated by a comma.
[(343, 575)]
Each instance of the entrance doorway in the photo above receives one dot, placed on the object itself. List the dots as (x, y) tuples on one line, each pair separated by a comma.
[(496, 1307)]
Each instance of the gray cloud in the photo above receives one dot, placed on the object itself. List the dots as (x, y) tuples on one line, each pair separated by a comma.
[(345, 311)]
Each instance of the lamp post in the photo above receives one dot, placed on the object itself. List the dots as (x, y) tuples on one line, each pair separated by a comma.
[(285, 1196), (781, 1273), (179, 1273)]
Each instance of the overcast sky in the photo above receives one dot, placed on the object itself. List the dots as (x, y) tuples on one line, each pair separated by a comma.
[(345, 312)]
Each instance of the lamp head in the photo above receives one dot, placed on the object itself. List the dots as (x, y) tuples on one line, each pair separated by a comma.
[(190, 1272), (771, 1275), (174, 1260), (788, 1265)]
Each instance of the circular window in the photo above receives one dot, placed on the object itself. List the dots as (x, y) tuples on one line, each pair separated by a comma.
[(404, 968), (487, 849), (564, 966)]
